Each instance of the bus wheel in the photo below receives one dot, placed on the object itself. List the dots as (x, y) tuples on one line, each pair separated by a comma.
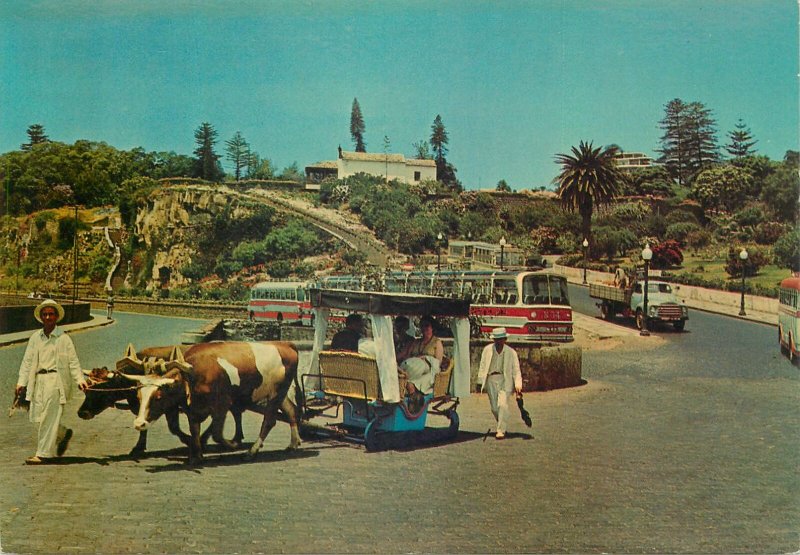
[(640, 319)]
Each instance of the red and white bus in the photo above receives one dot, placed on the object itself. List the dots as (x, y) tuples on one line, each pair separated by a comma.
[(789, 317), (280, 301), (531, 305)]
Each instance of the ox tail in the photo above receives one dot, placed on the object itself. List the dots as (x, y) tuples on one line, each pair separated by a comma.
[(299, 401)]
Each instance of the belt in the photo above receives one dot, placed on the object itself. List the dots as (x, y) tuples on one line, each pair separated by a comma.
[(43, 371)]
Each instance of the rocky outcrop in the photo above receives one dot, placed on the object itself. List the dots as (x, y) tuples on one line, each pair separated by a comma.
[(170, 214)]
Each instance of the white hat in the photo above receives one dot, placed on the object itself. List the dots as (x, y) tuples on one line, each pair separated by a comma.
[(51, 303), (499, 333)]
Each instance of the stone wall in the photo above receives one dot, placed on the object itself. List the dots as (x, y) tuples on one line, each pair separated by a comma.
[(543, 367), (20, 318)]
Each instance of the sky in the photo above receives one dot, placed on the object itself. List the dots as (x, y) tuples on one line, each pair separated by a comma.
[(515, 82)]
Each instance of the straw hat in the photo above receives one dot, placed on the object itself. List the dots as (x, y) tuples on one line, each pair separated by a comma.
[(499, 333), (51, 303)]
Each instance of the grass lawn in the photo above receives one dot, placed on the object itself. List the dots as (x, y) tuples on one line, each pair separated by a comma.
[(713, 268)]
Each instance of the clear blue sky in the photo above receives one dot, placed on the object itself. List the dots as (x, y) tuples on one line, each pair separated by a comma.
[(515, 81)]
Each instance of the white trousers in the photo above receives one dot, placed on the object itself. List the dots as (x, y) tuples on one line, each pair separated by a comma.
[(48, 411), (498, 400)]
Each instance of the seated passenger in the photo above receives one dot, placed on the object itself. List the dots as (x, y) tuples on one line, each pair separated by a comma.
[(421, 361), (402, 337), (347, 338)]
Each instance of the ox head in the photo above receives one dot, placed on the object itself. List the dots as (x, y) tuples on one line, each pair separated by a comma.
[(160, 393), (105, 389)]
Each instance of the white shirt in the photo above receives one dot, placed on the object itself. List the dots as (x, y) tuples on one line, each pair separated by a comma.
[(47, 351)]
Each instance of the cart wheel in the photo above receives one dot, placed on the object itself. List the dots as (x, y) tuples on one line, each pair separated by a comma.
[(372, 436), (452, 431)]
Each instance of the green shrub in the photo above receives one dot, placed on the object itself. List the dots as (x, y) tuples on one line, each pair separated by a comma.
[(680, 230), (767, 233), (786, 251), (756, 258), (680, 216), (698, 239)]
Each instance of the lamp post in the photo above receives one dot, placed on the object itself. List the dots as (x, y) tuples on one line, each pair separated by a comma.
[(647, 255), (743, 258), (439, 252), (585, 258), (502, 250)]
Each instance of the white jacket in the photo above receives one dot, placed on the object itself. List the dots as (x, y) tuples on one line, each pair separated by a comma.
[(67, 364), (512, 377)]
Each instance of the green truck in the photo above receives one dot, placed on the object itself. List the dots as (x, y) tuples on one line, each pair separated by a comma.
[(662, 304)]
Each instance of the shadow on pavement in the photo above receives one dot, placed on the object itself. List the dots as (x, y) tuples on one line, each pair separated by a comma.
[(235, 458)]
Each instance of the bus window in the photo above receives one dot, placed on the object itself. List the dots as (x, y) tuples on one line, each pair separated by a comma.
[(503, 291), (559, 292), (301, 295), (535, 290)]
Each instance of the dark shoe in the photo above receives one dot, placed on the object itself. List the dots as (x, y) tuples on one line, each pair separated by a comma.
[(36, 460), (64, 443)]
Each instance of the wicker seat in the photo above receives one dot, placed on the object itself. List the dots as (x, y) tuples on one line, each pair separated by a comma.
[(441, 381), (349, 374)]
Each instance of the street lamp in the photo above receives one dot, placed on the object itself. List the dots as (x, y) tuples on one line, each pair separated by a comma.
[(743, 258), (439, 252), (647, 255), (585, 258), (502, 250)]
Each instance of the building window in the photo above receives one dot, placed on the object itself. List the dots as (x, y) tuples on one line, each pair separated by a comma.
[(417, 176)]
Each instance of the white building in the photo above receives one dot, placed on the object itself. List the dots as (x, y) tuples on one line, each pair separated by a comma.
[(389, 166), (632, 160)]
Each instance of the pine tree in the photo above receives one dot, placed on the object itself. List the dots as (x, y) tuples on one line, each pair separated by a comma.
[(207, 161), (703, 147), (689, 142), (357, 127), (238, 151), (36, 135), (445, 172), (742, 142)]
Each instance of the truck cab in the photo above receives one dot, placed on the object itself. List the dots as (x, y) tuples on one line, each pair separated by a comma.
[(662, 304)]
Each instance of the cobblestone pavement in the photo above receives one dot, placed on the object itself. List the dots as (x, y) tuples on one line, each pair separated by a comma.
[(645, 458), (628, 463)]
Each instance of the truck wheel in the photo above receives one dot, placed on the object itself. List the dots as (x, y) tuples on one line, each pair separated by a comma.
[(606, 312), (640, 319), (679, 325)]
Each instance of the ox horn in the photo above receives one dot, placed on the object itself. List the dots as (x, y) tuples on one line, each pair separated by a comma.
[(149, 379), (130, 352)]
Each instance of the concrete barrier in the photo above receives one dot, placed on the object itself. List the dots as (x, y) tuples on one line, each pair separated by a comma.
[(20, 317)]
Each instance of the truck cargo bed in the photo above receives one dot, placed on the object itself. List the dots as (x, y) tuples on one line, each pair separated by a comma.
[(609, 293)]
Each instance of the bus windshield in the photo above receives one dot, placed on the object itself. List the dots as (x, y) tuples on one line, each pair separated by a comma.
[(545, 289)]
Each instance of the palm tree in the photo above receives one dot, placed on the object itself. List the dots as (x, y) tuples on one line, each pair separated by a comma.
[(589, 177)]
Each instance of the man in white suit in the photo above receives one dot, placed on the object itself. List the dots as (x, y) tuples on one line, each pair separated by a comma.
[(48, 368), (499, 375)]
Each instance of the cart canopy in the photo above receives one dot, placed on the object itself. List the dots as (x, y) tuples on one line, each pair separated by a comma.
[(392, 304), (381, 307)]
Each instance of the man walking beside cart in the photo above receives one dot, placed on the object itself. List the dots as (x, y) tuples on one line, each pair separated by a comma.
[(499, 375), (48, 367)]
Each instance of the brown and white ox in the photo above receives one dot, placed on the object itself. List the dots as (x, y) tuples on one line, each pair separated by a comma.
[(109, 387), (213, 378)]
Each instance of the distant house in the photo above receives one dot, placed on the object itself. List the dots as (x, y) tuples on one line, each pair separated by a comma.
[(632, 160), (486, 254), (390, 166)]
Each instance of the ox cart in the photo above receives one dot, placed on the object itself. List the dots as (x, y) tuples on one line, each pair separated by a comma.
[(362, 398)]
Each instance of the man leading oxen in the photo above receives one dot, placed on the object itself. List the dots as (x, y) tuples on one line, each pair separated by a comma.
[(217, 376)]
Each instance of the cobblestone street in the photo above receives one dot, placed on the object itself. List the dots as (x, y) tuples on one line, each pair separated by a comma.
[(630, 462)]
